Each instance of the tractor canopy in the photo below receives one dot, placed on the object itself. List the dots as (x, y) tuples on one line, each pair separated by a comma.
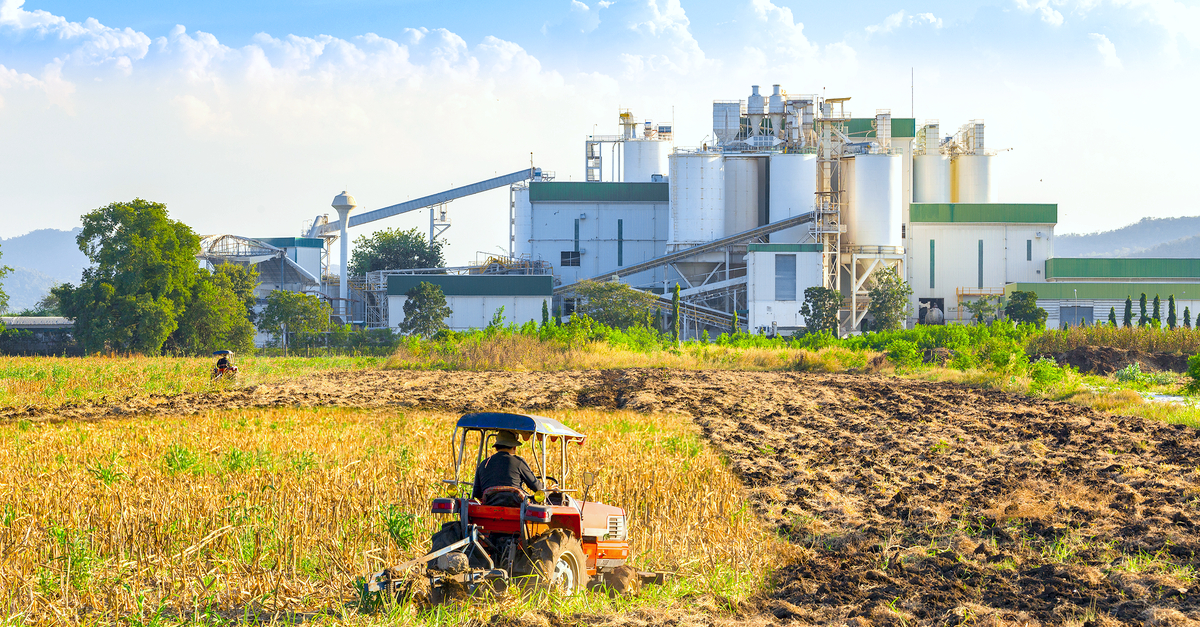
[(219, 353), (524, 425)]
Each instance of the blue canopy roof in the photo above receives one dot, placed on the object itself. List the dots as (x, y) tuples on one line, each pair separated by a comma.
[(520, 423)]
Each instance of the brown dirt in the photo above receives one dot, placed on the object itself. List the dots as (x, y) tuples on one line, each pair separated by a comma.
[(1107, 360), (916, 502)]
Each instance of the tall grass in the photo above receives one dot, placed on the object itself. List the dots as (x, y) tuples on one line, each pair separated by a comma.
[(1149, 339)]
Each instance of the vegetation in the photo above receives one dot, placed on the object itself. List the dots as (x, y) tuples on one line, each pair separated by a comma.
[(985, 309), (1128, 319), (1022, 308), (394, 249), (820, 309), (615, 304), (293, 314), (890, 296), (425, 310), (676, 317), (4, 270)]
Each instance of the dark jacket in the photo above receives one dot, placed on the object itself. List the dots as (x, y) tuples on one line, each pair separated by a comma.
[(505, 470)]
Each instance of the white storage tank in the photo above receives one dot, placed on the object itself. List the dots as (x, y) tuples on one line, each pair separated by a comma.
[(641, 159), (742, 192), (697, 202), (522, 222), (972, 179), (793, 192), (873, 209), (931, 178)]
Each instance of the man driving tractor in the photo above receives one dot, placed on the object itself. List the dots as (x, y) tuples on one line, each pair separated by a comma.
[(499, 478)]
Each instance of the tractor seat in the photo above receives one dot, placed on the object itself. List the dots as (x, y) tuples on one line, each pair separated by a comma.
[(503, 496)]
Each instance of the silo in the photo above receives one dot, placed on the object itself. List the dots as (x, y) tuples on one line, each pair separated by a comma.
[(793, 192), (931, 178), (742, 191), (972, 179), (873, 207), (697, 202), (643, 158), (522, 222)]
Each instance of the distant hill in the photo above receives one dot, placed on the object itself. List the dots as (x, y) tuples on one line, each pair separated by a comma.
[(40, 259), (1166, 236)]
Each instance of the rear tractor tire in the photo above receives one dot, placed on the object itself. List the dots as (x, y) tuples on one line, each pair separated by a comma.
[(555, 562)]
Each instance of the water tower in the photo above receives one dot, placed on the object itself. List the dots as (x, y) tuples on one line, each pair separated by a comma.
[(344, 203)]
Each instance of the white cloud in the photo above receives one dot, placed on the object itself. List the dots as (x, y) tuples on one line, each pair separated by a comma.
[(785, 34), (665, 31), (1049, 14), (1107, 50), (93, 43), (901, 19)]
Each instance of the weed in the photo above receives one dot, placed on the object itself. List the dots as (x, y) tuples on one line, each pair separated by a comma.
[(401, 526)]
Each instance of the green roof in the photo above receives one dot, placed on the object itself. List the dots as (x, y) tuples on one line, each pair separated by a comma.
[(1105, 291), (475, 285), (862, 128), (983, 212), (1117, 268), (598, 192), (293, 242), (783, 248)]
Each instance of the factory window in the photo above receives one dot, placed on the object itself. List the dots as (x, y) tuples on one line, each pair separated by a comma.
[(569, 258), (576, 235), (931, 257), (980, 264), (620, 242), (785, 277), (1028, 250)]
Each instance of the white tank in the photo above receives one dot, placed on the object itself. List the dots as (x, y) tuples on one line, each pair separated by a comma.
[(972, 179), (727, 120), (643, 158), (931, 178), (697, 199), (873, 208), (522, 222), (741, 193), (793, 192)]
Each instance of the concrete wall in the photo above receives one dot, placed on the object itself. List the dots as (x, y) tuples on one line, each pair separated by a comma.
[(643, 235), (764, 308), (475, 312)]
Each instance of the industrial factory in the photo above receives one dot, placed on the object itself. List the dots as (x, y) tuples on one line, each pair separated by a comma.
[(788, 191)]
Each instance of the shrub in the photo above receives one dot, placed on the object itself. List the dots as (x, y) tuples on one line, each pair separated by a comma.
[(1045, 371), (904, 354), (1193, 372)]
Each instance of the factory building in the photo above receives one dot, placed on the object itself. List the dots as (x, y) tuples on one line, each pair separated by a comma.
[(475, 299)]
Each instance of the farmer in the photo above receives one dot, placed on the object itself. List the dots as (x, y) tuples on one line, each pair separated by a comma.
[(503, 470)]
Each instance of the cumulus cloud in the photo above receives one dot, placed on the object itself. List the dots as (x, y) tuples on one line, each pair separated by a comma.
[(901, 19), (1042, 8), (1107, 50), (92, 42)]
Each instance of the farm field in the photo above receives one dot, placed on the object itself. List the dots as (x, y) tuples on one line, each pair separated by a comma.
[(779, 497)]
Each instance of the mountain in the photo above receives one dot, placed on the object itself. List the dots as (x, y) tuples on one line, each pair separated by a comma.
[(1136, 240), (40, 259)]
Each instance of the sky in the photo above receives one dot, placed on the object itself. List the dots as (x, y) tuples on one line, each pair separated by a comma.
[(249, 117)]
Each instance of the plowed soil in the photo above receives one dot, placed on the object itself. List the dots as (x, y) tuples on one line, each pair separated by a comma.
[(917, 503)]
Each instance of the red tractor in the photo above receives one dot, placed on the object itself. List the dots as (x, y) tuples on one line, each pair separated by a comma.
[(552, 539)]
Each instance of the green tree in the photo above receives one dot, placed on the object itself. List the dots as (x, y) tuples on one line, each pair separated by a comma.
[(675, 314), (1127, 321), (615, 304), (1112, 316), (545, 314), (1157, 317), (1172, 320), (889, 295), (242, 281), (820, 309), (141, 282), (734, 328), (1022, 308), (297, 313), (394, 249), (4, 270), (1142, 304), (1187, 318), (425, 310), (215, 319), (983, 309)]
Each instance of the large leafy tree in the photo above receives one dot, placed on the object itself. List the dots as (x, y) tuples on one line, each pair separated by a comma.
[(242, 281), (393, 249), (615, 304), (425, 310), (215, 319), (298, 313), (889, 295), (142, 278), (820, 309), (984, 309), (1022, 308)]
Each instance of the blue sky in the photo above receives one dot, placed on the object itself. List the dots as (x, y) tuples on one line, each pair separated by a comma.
[(248, 117)]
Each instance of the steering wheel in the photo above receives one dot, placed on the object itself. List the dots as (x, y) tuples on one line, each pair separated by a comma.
[(549, 479)]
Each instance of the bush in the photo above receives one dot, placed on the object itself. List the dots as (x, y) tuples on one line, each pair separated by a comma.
[(1045, 371), (1193, 372), (904, 354)]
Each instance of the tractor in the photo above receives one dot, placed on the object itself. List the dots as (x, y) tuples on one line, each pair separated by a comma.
[(552, 540)]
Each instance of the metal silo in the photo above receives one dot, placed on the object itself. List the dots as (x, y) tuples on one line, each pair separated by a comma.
[(522, 222), (743, 178), (727, 120), (931, 178), (872, 208), (793, 192), (697, 199), (643, 158), (972, 179)]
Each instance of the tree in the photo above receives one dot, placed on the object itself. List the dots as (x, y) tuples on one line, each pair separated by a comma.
[(889, 295), (394, 249), (1022, 308), (242, 281), (425, 310), (141, 282), (984, 309), (215, 319), (1127, 321), (1171, 319), (615, 304), (4, 270), (1112, 316), (820, 309), (1144, 318), (735, 328), (1157, 317), (297, 313), (1187, 318), (675, 314), (545, 314)]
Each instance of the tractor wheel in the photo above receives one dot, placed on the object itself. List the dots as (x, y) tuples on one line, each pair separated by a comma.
[(619, 581), (556, 562), (450, 533)]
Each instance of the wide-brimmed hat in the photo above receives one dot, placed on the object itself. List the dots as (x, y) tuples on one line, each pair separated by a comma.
[(507, 439)]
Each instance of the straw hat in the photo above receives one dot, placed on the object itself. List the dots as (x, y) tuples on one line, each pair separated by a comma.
[(507, 439)]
